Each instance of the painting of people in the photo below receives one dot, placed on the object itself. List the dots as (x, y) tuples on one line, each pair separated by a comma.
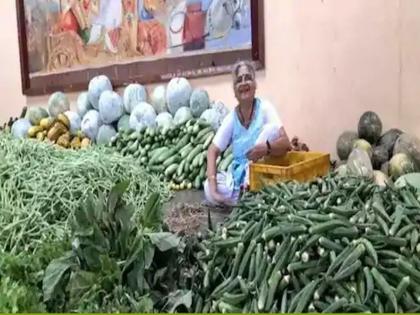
[(66, 35)]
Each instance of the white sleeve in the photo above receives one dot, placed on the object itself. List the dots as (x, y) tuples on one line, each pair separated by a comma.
[(270, 114), (224, 134)]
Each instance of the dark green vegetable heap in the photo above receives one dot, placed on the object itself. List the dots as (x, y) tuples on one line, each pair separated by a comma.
[(178, 153), (116, 265), (333, 245)]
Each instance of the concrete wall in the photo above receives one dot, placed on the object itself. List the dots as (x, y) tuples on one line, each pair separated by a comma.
[(327, 62)]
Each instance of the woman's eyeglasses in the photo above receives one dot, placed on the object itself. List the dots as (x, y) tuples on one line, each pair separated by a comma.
[(245, 78)]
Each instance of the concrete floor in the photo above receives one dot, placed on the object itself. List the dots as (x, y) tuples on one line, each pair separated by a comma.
[(196, 197)]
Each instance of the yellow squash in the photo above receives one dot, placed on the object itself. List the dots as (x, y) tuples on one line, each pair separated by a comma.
[(85, 143), (32, 132), (56, 131)]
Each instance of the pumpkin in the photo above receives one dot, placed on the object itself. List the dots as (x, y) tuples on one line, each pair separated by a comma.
[(359, 164), (385, 168), (380, 155), (409, 145), (370, 127), (389, 138), (400, 164), (345, 144), (363, 145)]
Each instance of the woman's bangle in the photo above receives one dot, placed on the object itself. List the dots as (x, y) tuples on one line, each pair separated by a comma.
[(212, 177)]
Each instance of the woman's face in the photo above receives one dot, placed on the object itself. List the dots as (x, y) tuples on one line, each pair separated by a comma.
[(244, 85)]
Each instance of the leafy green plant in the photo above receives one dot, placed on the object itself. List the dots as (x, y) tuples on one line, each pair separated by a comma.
[(18, 298), (115, 263)]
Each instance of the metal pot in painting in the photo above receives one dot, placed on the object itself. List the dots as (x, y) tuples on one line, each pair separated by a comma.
[(191, 25)]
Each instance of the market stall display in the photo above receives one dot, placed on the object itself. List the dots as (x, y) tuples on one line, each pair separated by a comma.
[(84, 229), (339, 244), (177, 152), (393, 153)]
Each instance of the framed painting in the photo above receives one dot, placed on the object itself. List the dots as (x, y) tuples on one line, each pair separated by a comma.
[(65, 43)]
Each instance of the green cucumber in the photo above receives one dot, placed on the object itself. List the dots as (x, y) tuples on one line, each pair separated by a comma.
[(170, 170), (193, 153), (180, 170), (171, 160), (204, 132), (225, 163), (209, 138)]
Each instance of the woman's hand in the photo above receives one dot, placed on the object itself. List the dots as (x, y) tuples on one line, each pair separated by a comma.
[(258, 152)]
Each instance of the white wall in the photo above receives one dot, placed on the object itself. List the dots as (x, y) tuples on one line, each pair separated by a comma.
[(327, 62)]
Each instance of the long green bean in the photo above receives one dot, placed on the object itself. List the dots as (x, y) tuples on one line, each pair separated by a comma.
[(41, 185)]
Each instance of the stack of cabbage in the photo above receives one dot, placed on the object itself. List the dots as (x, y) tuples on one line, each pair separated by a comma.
[(171, 132), (370, 153), (101, 112), (177, 153)]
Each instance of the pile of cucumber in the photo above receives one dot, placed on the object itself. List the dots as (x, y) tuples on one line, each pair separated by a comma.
[(333, 245), (178, 153)]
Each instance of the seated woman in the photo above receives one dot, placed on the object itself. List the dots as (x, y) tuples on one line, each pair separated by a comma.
[(253, 129)]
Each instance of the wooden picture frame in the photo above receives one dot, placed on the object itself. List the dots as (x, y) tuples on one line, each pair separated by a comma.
[(144, 72)]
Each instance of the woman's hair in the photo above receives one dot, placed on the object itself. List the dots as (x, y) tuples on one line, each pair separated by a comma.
[(239, 65)]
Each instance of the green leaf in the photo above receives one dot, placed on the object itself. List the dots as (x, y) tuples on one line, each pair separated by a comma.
[(179, 298), (55, 273), (148, 255), (164, 240), (92, 258), (152, 215), (81, 217), (135, 250), (124, 215), (159, 274), (144, 305), (135, 277), (83, 231), (80, 283), (115, 195)]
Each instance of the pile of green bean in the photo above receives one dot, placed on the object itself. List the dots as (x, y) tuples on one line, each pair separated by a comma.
[(40, 185)]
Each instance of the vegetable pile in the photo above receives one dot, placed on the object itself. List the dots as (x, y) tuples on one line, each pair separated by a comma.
[(117, 264), (40, 187), (178, 153), (391, 154), (339, 244), (102, 113), (60, 131)]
